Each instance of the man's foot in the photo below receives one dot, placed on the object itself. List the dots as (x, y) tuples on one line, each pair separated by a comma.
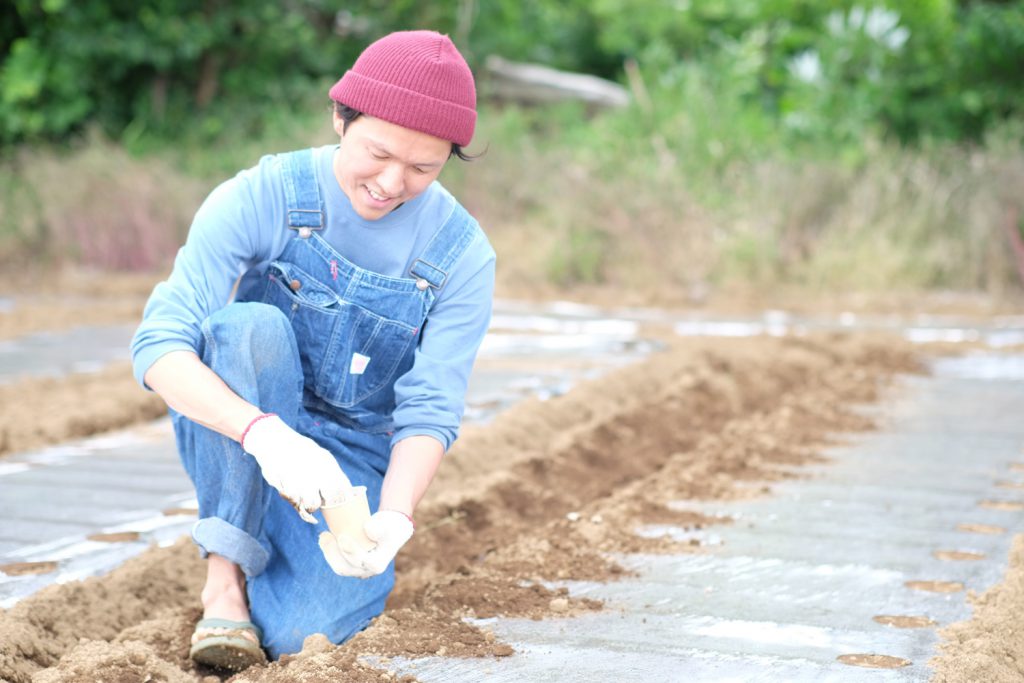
[(227, 644), (224, 637)]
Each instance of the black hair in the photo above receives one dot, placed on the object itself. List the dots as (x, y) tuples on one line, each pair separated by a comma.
[(347, 114)]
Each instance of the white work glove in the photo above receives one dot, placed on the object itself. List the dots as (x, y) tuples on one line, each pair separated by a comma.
[(302, 471), (389, 529)]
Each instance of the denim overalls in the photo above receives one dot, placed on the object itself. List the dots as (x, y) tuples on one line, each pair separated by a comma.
[(320, 342)]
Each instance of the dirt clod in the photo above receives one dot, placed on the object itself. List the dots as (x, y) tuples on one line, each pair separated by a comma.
[(988, 647), (873, 661), (25, 568), (899, 621), (935, 586)]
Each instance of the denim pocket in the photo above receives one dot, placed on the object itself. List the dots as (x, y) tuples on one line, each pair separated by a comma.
[(367, 351), (301, 288), (348, 353)]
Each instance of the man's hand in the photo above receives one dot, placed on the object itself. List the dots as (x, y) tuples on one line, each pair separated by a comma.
[(389, 529), (301, 470)]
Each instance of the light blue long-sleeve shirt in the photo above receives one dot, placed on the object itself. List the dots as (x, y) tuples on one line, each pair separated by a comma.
[(241, 228)]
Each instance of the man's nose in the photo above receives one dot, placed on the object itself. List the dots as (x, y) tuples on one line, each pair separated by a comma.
[(391, 180)]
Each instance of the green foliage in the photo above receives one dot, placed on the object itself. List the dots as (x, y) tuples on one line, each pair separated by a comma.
[(990, 65), (160, 65), (840, 68), (815, 68)]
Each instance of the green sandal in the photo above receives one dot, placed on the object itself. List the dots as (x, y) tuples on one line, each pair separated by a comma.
[(229, 650)]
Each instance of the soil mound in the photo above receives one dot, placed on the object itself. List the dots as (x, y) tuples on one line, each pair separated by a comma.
[(544, 493), (988, 647)]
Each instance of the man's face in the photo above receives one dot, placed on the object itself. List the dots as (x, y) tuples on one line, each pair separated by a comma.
[(380, 165)]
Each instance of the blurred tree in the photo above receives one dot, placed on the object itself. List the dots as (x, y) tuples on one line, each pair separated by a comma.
[(158, 62), (990, 65), (947, 68)]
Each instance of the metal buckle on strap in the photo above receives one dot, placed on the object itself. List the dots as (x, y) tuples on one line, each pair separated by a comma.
[(420, 278), (305, 230)]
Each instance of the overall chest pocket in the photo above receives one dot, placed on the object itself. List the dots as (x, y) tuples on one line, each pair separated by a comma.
[(348, 352)]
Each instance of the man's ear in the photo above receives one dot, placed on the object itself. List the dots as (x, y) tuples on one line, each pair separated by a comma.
[(339, 124)]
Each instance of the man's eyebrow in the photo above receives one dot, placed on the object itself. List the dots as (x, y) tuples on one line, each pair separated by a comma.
[(383, 149)]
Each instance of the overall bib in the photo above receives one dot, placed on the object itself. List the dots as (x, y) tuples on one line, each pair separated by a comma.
[(321, 342)]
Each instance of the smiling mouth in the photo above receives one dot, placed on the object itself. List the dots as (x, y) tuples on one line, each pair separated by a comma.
[(377, 197)]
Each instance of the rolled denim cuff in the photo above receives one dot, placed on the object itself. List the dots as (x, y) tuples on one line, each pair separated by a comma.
[(214, 535)]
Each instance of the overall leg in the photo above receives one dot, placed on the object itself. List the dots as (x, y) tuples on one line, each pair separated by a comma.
[(299, 594), (251, 346)]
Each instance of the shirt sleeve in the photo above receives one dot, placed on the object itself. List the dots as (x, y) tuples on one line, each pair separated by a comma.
[(430, 397), (221, 244)]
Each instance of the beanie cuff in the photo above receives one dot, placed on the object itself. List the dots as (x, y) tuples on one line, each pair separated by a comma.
[(406, 108)]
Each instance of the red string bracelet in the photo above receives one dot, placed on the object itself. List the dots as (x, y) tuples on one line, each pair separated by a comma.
[(256, 419), (408, 517)]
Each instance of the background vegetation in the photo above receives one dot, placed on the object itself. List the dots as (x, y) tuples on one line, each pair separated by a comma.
[(818, 143)]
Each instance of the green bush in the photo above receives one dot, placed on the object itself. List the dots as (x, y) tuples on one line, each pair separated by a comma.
[(162, 67)]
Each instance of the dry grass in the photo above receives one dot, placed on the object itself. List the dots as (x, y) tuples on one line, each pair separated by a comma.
[(96, 206), (637, 216), (925, 219)]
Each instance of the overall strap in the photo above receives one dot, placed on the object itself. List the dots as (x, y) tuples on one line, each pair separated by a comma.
[(444, 250), (302, 194)]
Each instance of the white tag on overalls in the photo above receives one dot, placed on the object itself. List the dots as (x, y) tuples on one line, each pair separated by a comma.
[(359, 363)]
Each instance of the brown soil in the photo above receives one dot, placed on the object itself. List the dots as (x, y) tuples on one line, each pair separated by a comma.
[(1004, 505), (957, 555), (988, 529), (51, 314), (88, 403), (36, 412), (51, 301), (874, 661), (105, 613), (989, 646), (117, 537), (897, 621), (25, 568), (935, 586), (577, 475), (81, 296)]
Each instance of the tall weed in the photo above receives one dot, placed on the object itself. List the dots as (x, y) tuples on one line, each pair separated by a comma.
[(695, 191), (95, 206), (690, 189)]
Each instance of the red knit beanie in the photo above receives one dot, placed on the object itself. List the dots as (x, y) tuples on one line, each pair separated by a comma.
[(416, 79)]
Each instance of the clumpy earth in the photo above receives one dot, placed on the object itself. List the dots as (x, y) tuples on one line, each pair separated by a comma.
[(547, 492), (990, 646), (41, 411)]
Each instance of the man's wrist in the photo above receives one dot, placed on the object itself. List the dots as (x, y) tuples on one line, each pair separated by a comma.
[(397, 504), (252, 423), (404, 514), (235, 423)]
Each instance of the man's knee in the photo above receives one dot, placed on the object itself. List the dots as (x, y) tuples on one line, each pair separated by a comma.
[(250, 331)]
